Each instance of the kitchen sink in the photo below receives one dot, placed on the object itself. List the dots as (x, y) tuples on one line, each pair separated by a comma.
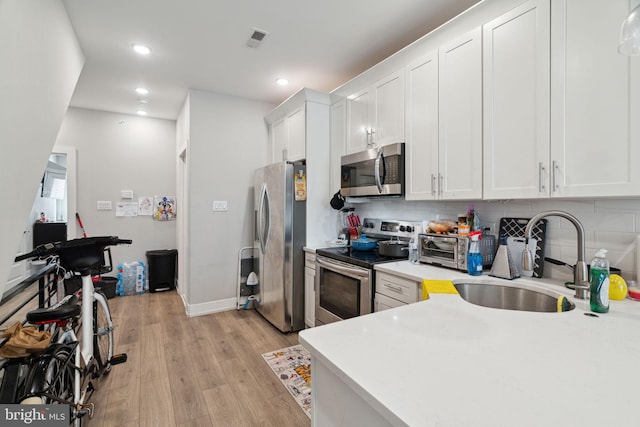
[(512, 297)]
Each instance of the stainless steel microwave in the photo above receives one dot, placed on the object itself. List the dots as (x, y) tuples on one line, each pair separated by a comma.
[(374, 172)]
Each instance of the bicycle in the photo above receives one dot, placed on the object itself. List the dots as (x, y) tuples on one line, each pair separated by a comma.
[(69, 369)]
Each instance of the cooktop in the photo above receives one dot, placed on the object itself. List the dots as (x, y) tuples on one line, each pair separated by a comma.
[(365, 259)]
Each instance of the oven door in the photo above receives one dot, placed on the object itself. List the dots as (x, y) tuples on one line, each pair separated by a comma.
[(343, 290)]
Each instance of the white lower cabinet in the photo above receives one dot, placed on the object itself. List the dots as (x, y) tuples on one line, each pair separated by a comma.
[(309, 290), (395, 291)]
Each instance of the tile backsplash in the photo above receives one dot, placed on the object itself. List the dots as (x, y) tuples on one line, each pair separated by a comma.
[(613, 224)]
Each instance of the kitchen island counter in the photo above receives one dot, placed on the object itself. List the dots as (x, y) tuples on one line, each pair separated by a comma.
[(446, 362)]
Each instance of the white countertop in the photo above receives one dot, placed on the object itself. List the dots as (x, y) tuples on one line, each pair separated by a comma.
[(446, 362)]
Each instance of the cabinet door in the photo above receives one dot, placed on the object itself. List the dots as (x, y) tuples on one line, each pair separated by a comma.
[(279, 140), (388, 110), (338, 138), (296, 124), (309, 297), (460, 117), (358, 121), (516, 102), (595, 131), (422, 128)]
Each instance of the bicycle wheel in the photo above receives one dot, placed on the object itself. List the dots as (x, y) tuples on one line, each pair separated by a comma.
[(59, 377), (102, 333)]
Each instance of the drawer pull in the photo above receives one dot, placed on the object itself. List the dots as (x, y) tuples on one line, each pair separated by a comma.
[(397, 289)]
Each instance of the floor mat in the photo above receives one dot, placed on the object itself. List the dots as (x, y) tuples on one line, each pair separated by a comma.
[(292, 365)]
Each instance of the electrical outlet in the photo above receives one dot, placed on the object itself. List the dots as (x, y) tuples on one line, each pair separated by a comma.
[(490, 227), (126, 194)]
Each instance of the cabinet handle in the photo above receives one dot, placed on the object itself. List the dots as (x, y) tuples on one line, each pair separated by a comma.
[(541, 170), (373, 134), (397, 289), (555, 176), (440, 179), (433, 185), (284, 154)]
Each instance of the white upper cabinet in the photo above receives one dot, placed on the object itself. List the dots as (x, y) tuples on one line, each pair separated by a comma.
[(444, 122), (595, 94), (460, 118), (338, 120), (288, 137), (375, 115), (422, 128), (279, 140), (516, 103), (296, 149)]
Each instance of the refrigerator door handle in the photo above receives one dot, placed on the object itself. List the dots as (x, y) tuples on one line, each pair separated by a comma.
[(264, 208)]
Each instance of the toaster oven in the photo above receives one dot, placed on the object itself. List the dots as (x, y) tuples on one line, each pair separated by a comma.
[(450, 250)]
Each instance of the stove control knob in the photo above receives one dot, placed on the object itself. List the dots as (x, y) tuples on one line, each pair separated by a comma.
[(402, 228), (409, 229)]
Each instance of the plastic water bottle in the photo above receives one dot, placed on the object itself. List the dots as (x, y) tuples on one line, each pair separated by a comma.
[(474, 257), (599, 282), (413, 250)]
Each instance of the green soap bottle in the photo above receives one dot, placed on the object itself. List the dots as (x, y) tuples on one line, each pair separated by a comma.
[(599, 282)]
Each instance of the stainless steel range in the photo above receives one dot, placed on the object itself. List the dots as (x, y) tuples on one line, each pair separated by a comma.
[(345, 278)]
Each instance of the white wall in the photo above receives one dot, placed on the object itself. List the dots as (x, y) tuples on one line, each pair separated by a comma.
[(228, 142), (122, 152), (612, 224), (41, 63)]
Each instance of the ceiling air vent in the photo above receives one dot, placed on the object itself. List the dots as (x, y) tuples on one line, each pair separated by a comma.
[(256, 37)]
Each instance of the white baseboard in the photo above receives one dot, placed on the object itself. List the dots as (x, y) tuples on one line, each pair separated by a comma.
[(201, 309)]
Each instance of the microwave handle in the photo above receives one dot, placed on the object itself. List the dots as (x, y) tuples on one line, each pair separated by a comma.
[(380, 179)]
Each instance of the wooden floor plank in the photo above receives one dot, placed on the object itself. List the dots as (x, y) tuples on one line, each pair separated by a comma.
[(201, 371)]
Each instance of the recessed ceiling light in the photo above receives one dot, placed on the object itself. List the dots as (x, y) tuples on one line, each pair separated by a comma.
[(143, 101), (282, 82), (141, 113), (142, 91), (141, 49)]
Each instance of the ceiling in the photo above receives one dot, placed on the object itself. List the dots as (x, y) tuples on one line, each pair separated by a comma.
[(201, 44)]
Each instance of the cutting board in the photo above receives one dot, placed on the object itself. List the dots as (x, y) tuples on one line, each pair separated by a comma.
[(516, 245), (514, 227)]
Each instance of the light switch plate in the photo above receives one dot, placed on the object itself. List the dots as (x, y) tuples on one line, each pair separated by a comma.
[(126, 194), (220, 206), (103, 205)]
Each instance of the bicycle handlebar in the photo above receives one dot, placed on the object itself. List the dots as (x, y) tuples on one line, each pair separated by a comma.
[(56, 248)]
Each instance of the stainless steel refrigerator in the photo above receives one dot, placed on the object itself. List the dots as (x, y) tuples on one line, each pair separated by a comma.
[(280, 230)]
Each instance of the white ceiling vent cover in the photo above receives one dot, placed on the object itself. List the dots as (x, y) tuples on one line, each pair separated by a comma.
[(256, 38)]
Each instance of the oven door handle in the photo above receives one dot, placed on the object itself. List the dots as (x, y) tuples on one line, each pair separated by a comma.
[(341, 269)]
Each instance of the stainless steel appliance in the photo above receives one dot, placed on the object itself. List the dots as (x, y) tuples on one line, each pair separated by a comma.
[(446, 250), (450, 250), (345, 278), (280, 230), (374, 172)]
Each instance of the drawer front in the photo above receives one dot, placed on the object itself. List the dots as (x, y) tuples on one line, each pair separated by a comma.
[(383, 302), (397, 288), (310, 260)]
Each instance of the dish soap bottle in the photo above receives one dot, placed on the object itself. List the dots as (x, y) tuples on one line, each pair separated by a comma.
[(599, 282), (474, 257)]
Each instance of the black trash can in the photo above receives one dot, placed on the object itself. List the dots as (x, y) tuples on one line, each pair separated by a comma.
[(108, 285), (163, 267)]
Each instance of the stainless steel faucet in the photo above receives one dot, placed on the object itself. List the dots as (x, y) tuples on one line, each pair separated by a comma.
[(580, 273)]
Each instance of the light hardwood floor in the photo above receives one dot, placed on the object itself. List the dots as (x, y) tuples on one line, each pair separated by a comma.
[(200, 371), (181, 371)]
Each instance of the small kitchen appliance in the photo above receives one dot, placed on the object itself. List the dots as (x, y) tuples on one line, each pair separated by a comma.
[(451, 250), (374, 172)]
